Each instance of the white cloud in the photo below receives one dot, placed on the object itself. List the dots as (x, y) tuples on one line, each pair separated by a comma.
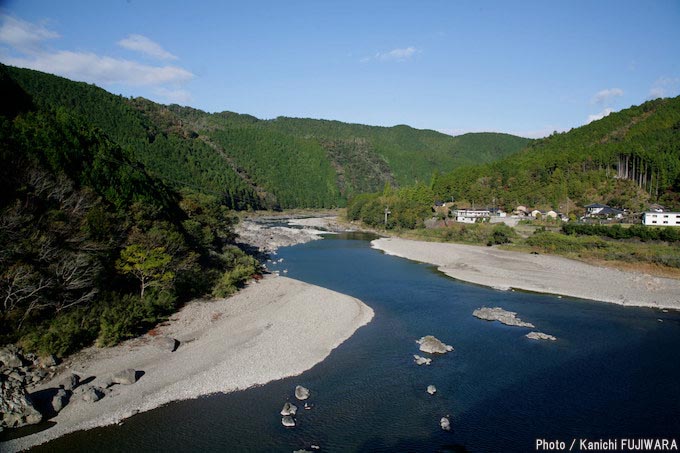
[(26, 39), (146, 46), (607, 95), (599, 116), (174, 96), (665, 87), (102, 70), (22, 35), (394, 55)]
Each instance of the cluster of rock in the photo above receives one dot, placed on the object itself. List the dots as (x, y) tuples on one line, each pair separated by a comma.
[(432, 345), (509, 318), (20, 371), (17, 372), (289, 409), (268, 239)]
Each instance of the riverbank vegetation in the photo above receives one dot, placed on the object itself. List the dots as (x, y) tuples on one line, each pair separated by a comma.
[(93, 247)]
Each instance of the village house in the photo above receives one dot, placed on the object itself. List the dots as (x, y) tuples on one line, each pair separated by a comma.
[(602, 211), (661, 218), (472, 215)]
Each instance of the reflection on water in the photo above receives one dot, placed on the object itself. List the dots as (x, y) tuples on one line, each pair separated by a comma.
[(613, 372)]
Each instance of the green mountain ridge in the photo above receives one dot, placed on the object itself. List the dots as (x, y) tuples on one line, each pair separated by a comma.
[(253, 163)]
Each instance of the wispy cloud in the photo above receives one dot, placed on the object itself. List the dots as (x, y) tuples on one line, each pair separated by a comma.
[(140, 43), (26, 42), (22, 35), (607, 95), (398, 55), (599, 116), (665, 87)]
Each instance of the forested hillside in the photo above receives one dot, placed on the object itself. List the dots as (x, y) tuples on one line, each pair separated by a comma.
[(625, 159), (252, 163), (92, 246), (628, 160)]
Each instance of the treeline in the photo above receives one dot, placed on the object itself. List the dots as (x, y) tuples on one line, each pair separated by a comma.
[(254, 164), (644, 233), (392, 208), (623, 160), (92, 246)]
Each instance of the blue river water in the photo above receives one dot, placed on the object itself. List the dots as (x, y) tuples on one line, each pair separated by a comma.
[(614, 372)]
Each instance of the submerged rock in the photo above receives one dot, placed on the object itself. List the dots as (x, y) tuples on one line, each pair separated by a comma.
[(508, 318), (432, 345), (445, 423), (431, 389), (421, 360), (540, 336), (288, 421), (301, 393), (289, 409)]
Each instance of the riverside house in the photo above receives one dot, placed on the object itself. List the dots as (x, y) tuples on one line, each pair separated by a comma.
[(661, 218)]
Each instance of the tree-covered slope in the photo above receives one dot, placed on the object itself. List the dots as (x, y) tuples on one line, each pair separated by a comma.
[(625, 159), (252, 163)]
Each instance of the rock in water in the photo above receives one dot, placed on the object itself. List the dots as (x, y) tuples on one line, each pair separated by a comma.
[(166, 343), (508, 318), (289, 409), (432, 345), (301, 393), (16, 407), (445, 423), (540, 336), (288, 421), (431, 389), (125, 377), (421, 360)]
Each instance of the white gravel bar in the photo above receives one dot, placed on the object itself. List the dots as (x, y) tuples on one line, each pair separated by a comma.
[(504, 270), (275, 328)]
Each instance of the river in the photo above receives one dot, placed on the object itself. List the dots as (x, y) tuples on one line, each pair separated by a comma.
[(613, 372)]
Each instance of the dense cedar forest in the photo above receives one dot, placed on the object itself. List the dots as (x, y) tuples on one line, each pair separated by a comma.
[(253, 164), (92, 245), (627, 160)]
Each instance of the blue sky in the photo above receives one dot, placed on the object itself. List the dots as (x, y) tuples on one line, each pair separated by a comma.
[(526, 68)]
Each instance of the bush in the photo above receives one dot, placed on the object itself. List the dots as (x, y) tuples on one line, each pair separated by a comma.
[(66, 333), (240, 267)]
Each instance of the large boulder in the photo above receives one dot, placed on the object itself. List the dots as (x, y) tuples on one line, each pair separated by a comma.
[(70, 382), (125, 377), (421, 360), (59, 400), (16, 407), (431, 389), (540, 336), (508, 318), (445, 423), (288, 421), (93, 394), (166, 343), (301, 393), (289, 409), (432, 345)]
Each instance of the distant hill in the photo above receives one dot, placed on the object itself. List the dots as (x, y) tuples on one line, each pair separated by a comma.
[(626, 159), (252, 163)]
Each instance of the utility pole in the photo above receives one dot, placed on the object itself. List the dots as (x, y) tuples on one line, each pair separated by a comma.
[(387, 212)]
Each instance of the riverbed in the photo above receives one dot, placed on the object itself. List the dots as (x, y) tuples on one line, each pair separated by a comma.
[(612, 372)]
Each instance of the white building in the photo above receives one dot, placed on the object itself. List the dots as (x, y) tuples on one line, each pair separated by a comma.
[(472, 215), (661, 218)]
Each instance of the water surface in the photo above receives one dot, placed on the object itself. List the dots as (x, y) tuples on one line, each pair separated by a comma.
[(613, 372)]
